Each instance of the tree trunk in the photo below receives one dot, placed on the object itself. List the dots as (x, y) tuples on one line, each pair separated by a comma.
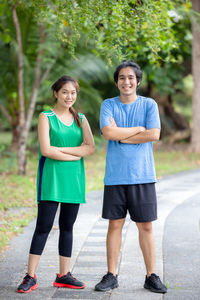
[(15, 137), (30, 112), (21, 159), (195, 143), (175, 126)]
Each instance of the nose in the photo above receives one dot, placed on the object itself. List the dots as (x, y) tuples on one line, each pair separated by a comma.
[(126, 80), (69, 96)]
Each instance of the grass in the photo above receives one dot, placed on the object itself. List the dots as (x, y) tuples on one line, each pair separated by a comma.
[(18, 193)]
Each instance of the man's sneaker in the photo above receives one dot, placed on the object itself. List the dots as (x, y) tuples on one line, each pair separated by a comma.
[(68, 281), (28, 284), (108, 282), (154, 284)]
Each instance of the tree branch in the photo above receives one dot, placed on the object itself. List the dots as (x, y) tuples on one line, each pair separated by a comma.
[(5, 113), (46, 72)]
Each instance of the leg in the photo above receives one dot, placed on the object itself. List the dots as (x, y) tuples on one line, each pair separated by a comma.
[(113, 243), (146, 240), (68, 214), (45, 218)]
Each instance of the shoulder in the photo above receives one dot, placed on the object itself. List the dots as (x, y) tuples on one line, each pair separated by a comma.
[(81, 115), (48, 113), (109, 102), (148, 102)]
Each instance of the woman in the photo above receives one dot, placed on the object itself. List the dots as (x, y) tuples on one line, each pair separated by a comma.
[(64, 139)]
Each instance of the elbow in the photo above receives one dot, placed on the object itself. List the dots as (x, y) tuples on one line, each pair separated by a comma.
[(44, 152), (156, 137), (108, 135), (92, 149)]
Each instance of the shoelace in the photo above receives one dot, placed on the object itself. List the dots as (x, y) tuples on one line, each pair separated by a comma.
[(155, 278), (70, 275), (27, 278), (106, 277)]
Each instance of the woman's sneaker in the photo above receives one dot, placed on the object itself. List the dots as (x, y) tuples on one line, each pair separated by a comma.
[(154, 284), (108, 282), (68, 281), (28, 284)]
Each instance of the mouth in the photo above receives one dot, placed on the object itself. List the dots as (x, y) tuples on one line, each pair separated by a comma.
[(127, 87)]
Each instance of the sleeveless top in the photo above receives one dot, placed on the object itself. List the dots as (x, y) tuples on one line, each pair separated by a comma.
[(61, 181)]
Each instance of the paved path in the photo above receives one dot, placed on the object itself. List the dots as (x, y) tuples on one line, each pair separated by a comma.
[(177, 250)]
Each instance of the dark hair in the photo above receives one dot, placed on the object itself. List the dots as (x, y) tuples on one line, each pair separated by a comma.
[(59, 84), (126, 64)]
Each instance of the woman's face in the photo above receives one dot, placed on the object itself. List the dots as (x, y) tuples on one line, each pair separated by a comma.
[(66, 96)]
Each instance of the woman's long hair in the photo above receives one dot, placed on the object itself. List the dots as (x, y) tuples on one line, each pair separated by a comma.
[(59, 84)]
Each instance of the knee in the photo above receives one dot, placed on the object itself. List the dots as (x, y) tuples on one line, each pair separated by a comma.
[(116, 224), (68, 227), (145, 227), (43, 227)]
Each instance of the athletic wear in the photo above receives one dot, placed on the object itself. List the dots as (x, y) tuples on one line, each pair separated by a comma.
[(28, 284), (108, 282), (129, 163), (68, 281), (154, 284), (139, 199), (62, 181), (45, 218)]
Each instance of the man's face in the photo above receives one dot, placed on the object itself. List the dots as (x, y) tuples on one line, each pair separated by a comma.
[(127, 82)]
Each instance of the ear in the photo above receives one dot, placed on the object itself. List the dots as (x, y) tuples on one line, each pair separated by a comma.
[(138, 83), (55, 94)]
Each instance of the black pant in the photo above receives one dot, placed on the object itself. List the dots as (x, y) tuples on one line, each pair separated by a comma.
[(46, 214)]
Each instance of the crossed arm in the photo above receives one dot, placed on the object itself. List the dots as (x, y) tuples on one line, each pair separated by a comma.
[(130, 135), (64, 153)]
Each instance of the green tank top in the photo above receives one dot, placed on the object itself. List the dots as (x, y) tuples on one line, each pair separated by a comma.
[(61, 181)]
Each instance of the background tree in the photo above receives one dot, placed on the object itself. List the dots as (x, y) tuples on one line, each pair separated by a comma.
[(111, 25), (195, 144)]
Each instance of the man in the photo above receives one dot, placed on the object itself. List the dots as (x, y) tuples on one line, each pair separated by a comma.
[(130, 123)]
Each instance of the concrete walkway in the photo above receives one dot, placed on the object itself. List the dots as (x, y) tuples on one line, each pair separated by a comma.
[(177, 250)]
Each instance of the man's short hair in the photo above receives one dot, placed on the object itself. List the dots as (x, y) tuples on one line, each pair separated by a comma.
[(126, 64)]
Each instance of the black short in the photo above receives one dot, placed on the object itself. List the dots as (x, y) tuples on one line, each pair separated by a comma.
[(139, 199)]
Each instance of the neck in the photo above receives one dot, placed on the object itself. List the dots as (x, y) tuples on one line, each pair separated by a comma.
[(127, 98), (61, 110)]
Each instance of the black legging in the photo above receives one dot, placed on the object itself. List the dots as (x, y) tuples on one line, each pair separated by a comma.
[(46, 214)]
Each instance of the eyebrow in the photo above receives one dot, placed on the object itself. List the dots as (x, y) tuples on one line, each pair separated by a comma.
[(69, 90), (122, 75)]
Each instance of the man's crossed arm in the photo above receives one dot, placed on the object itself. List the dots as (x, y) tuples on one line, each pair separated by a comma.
[(130, 135)]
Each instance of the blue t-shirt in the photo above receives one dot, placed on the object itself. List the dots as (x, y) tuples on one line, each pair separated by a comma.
[(130, 163)]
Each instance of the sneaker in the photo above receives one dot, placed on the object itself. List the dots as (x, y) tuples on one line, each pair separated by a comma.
[(108, 282), (68, 281), (154, 284), (28, 284)]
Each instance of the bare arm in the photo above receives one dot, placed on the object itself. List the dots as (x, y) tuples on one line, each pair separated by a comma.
[(115, 133), (87, 147), (149, 135), (44, 140)]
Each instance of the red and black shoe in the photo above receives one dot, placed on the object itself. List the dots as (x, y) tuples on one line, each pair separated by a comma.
[(28, 284), (68, 281)]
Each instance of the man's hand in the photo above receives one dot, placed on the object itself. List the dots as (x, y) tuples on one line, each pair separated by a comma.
[(112, 122)]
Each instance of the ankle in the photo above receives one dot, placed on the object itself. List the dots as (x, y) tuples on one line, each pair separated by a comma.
[(31, 275), (114, 273)]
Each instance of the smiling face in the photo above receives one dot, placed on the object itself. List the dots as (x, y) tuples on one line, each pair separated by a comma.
[(66, 96), (127, 82)]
